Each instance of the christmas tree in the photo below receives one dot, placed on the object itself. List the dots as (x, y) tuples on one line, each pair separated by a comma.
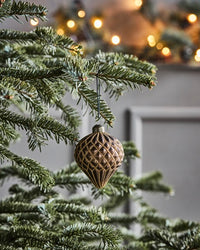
[(37, 69)]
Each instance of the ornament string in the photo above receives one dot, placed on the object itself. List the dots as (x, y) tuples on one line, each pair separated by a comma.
[(98, 97)]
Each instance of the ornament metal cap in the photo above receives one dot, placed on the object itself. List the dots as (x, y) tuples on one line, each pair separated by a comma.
[(98, 128)]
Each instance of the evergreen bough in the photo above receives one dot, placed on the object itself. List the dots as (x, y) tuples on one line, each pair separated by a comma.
[(37, 68)]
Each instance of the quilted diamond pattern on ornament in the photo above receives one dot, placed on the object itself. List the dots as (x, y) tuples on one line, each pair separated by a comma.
[(99, 155)]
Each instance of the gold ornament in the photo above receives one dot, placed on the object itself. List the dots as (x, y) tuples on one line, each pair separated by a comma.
[(99, 155)]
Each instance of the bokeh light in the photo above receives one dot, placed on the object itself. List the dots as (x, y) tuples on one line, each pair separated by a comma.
[(60, 31), (115, 40), (166, 51), (138, 3), (151, 40), (34, 22), (97, 23), (81, 13), (71, 24), (191, 18)]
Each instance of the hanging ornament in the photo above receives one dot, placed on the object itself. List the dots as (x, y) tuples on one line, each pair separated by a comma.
[(99, 155)]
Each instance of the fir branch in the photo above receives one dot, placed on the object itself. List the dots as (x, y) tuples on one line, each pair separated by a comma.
[(22, 8), (50, 36), (7, 134), (42, 36), (36, 237), (50, 88), (179, 225), (35, 51), (191, 239), (73, 68), (151, 177), (6, 247), (39, 129), (73, 211), (136, 245), (72, 237), (17, 36), (75, 199), (149, 216), (21, 92), (23, 218), (69, 115), (8, 172), (154, 187), (119, 184), (21, 195), (122, 219), (125, 60), (112, 69), (70, 181), (151, 183), (83, 213), (120, 178), (90, 98), (109, 236), (144, 67), (115, 201), (18, 207), (72, 168), (88, 95), (130, 151), (30, 169), (127, 234), (162, 239), (128, 77), (174, 38), (30, 74)]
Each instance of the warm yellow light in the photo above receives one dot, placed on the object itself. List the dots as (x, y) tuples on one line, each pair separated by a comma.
[(138, 3), (159, 46), (60, 31), (198, 52), (71, 24), (115, 40), (191, 18), (97, 23), (34, 22), (197, 58), (81, 13), (166, 51), (151, 40)]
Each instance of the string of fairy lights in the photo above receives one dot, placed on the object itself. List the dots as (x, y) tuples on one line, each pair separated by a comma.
[(72, 22), (191, 18), (96, 22)]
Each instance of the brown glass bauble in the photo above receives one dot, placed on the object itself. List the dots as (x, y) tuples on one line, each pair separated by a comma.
[(99, 155)]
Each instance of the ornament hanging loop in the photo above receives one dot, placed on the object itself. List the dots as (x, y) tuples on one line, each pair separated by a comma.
[(98, 96)]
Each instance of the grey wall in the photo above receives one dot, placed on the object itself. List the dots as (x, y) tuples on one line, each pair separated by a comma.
[(171, 146)]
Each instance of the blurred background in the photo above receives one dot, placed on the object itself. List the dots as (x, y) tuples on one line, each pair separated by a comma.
[(166, 33)]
